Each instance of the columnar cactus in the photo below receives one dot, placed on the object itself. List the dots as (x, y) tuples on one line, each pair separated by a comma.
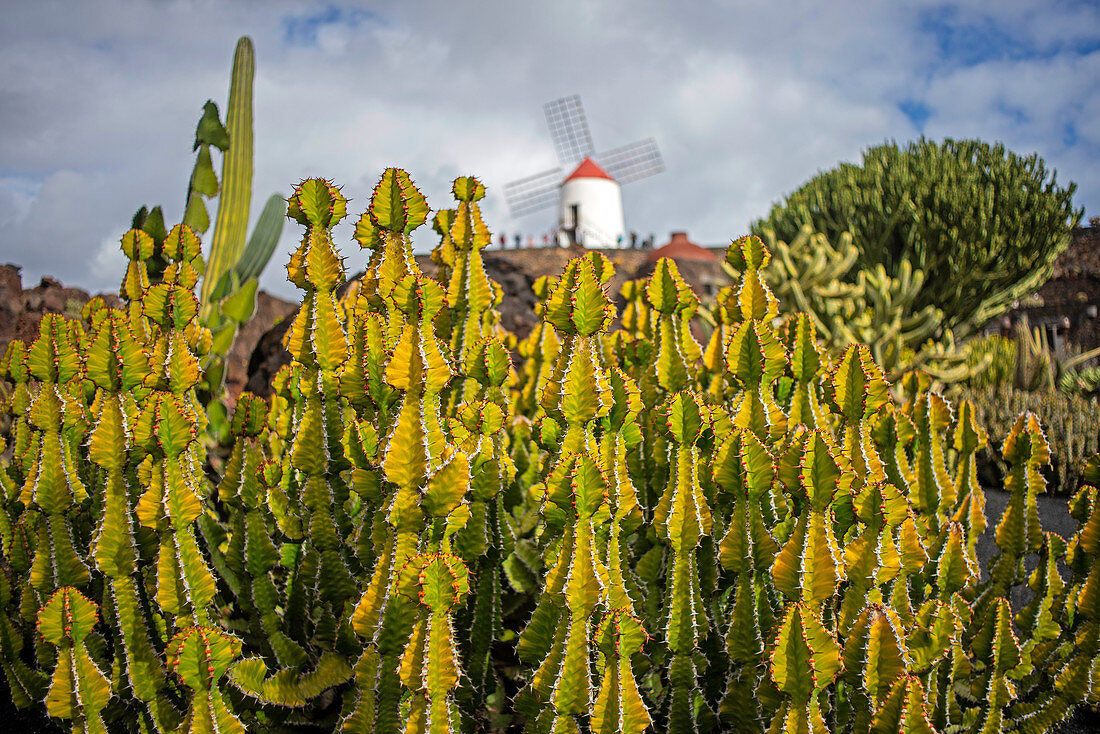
[(470, 292), (577, 396), (426, 472), (806, 365), (232, 267), (116, 366), (166, 431), (79, 691), (683, 519), (539, 352), (53, 486)]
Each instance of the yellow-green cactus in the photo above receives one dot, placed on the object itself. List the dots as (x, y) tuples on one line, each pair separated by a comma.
[(625, 533)]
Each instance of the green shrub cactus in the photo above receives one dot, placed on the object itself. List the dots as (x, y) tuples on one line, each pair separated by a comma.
[(868, 306), (983, 223), (625, 532)]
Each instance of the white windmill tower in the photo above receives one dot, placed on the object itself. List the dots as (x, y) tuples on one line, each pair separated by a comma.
[(590, 202)]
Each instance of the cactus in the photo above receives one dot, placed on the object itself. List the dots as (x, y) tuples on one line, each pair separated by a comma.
[(575, 506), (808, 275), (983, 223), (1027, 362), (231, 223), (683, 519), (867, 306), (1069, 422), (1000, 352), (230, 275), (78, 690), (200, 657), (627, 533)]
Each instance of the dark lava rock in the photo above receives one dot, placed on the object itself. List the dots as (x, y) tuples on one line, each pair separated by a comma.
[(267, 358), (271, 313), (517, 311), (22, 310)]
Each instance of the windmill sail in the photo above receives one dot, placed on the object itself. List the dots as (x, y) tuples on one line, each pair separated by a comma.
[(533, 193), (573, 143), (632, 162), (569, 130)]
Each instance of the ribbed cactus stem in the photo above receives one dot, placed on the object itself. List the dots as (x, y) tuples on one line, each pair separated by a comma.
[(231, 223)]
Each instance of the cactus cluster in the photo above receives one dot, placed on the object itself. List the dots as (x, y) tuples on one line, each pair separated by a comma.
[(983, 223), (1027, 375), (1028, 361), (231, 270), (868, 306), (1071, 423), (622, 531)]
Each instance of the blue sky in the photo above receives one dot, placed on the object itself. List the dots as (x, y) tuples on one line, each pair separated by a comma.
[(304, 28), (747, 99)]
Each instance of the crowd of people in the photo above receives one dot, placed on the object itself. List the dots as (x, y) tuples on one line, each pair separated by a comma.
[(560, 238)]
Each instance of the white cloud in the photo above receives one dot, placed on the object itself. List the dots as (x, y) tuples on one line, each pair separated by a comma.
[(747, 99), (1047, 106), (109, 264)]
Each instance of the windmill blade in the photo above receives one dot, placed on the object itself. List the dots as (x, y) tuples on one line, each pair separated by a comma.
[(569, 129), (536, 192), (632, 162)]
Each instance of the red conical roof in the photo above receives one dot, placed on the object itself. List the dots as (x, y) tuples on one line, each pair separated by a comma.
[(679, 247), (588, 169)]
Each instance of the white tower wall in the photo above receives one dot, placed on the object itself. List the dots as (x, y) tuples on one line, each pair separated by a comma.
[(600, 207)]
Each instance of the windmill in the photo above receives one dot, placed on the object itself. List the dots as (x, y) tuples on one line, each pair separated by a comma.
[(590, 204)]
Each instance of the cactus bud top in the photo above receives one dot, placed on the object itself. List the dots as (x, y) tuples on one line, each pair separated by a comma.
[(396, 204), (468, 189), (317, 203)]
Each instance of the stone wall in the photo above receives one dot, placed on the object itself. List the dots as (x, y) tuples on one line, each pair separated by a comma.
[(21, 310), (1070, 301)]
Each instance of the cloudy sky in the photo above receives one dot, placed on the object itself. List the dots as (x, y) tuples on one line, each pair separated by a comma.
[(746, 98)]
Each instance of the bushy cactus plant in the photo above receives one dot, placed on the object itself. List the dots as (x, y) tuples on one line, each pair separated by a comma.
[(1071, 424), (868, 306), (630, 532), (983, 223)]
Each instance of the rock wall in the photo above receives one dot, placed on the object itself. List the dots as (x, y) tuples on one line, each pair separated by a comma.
[(21, 310)]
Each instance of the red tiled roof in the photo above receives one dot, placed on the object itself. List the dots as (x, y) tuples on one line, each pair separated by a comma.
[(588, 169), (679, 247)]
